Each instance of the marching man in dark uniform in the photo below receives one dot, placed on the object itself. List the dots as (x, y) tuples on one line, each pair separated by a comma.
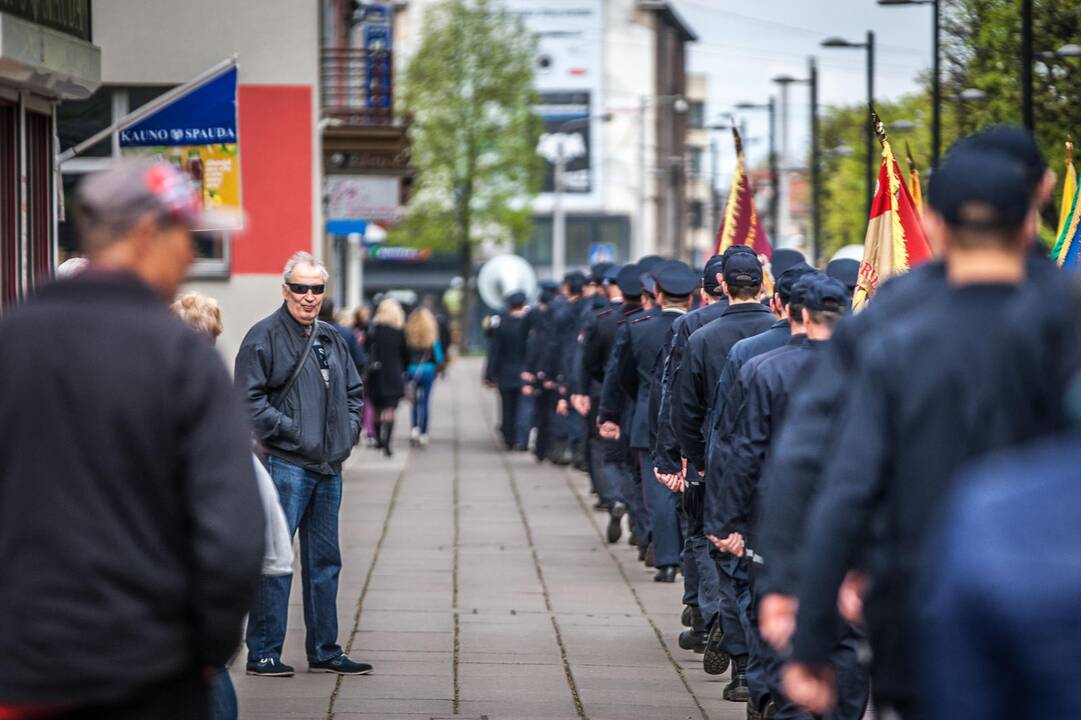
[(602, 360), (644, 339), (762, 392), (506, 362)]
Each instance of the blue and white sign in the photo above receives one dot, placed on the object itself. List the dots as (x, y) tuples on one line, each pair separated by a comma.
[(204, 116)]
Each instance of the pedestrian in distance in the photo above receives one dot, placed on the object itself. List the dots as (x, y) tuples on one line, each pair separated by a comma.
[(131, 532), (362, 318), (426, 361), (304, 397), (356, 349), (388, 358)]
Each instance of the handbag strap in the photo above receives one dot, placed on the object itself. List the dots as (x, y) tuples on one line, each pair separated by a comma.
[(299, 366)]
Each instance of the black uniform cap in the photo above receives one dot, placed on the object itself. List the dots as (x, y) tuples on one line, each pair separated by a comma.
[(980, 189), (825, 294), (628, 281), (676, 278), (713, 267), (575, 280), (846, 270), (597, 272), (788, 279), (742, 269), (785, 258), (549, 289), (799, 288), (515, 299), (1015, 142), (736, 250), (612, 273), (646, 268)]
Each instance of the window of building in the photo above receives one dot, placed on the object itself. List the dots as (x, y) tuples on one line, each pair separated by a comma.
[(79, 120), (583, 233), (694, 161), (696, 115)]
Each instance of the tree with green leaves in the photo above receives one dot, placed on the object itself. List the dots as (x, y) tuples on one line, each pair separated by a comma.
[(468, 93), (981, 50)]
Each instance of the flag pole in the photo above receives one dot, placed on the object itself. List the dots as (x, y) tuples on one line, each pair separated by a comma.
[(147, 110)]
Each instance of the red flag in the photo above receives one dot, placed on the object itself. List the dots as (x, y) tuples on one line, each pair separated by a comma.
[(741, 223), (894, 240)]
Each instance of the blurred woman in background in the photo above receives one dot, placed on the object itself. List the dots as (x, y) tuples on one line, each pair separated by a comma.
[(362, 318), (425, 360), (388, 357)]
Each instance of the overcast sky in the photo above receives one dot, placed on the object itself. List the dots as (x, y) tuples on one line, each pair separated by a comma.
[(742, 45)]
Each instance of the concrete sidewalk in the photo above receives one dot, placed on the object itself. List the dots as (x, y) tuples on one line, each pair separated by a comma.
[(478, 584)]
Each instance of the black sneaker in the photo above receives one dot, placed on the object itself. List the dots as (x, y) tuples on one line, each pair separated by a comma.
[(341, 665), (269, 667)]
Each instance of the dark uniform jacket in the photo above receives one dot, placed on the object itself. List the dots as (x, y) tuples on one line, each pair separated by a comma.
[(538, 333), (507, 351), (766, 388), (938, 388), (614, 404), (728, 415), (313, 426), (666, 453), (644, 339), (601, 338), (707, 351), (581, 380), (131, 530)]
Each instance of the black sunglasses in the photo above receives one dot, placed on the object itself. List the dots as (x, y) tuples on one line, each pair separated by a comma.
[(301, 289)]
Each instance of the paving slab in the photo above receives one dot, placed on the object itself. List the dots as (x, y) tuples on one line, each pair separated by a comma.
[(479, 584)]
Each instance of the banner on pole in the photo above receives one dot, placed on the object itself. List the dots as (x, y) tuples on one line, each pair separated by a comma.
[(197, 133)]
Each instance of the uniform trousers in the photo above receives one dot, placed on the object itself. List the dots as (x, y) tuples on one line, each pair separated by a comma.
[(543, 410), (851, 675), (698, 567), (662, 505), (508, 417)]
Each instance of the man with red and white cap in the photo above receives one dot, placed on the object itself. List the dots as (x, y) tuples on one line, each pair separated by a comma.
[(131, 531)]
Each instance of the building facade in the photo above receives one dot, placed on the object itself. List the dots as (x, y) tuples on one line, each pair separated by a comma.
[(276, 44), (46, 56), (611, 77), (701, 173)]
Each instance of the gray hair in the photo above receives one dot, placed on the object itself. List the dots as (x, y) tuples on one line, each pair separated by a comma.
[(303, 258)]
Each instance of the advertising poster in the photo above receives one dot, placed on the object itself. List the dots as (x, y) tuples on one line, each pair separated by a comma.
[(197, 132)]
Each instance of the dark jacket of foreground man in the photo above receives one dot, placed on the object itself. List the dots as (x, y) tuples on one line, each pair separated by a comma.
[(131, 530)]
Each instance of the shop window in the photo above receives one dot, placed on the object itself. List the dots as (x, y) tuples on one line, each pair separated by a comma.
[(696, 115), (79, 120)]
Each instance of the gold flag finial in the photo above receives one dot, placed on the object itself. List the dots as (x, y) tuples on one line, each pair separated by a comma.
[(738, 141), (1069, 147), (880, 128), (911, 161)]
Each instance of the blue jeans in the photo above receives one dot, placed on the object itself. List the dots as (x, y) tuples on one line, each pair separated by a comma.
[(662, 506), (422, 397), (222, 697), (311, 502)]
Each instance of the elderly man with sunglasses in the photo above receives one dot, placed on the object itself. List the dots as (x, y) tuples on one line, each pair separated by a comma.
[(304, 395)]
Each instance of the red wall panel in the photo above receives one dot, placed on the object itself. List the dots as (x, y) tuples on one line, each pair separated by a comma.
[(276, 173)]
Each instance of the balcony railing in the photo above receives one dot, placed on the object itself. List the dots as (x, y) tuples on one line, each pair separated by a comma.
[(357, 85)]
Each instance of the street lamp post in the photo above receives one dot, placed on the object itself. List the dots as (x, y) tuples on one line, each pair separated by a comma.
[(559, 153), (936, 85), (774, 206), (680, 105), (869, 45), (785, 213)]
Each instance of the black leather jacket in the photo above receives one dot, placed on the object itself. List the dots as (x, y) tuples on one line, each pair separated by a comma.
[(314, 426)]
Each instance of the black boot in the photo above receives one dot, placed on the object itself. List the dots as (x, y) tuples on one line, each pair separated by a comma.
[(736, 690), (695, 637), (388, 430), (378, 434), (615, 521), (714, 659), (685, 618), (666, 573)]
